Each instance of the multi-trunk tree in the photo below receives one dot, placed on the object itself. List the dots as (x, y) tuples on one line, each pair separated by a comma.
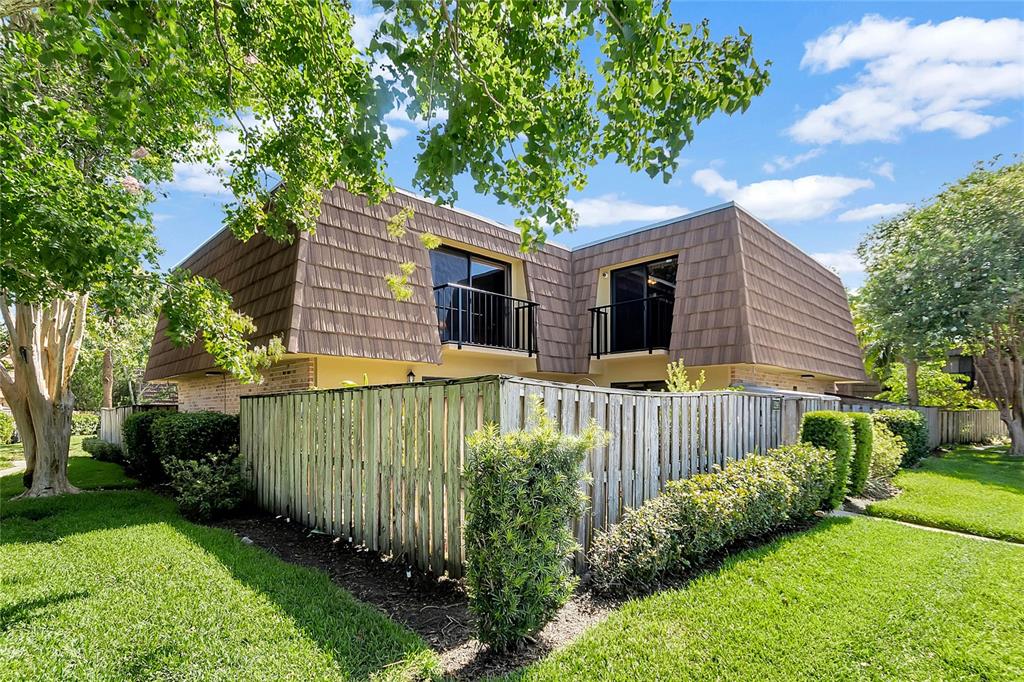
[(99, 98), (951, 274)]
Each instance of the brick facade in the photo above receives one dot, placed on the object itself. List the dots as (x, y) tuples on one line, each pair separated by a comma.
[(779, 378), (221, 393)]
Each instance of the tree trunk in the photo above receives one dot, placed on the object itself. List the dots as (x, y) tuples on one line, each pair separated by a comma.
[(913, 396), (44, 345), (1015, 424), (1000, 373), (108, 378)]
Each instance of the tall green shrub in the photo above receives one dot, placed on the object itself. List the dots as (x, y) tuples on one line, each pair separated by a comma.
[(861, 425), (194, 435), (522, 489), (831, 430), (695, 518), (6, 428), (102, 450), (911, 426), (137, 440), (887, 452)]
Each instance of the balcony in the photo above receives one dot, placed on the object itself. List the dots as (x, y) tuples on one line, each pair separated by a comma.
[(644, 324), (474, 317)]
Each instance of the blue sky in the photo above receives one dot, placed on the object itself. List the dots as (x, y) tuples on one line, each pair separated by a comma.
[(872, 106)]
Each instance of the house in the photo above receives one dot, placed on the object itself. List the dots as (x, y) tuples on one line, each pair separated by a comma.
[(717, 287)]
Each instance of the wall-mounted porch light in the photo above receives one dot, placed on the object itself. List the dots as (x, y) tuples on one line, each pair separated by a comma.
[(411, 377)]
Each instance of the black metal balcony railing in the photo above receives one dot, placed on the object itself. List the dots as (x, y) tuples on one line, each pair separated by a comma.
[(467, 316), (642, 324)]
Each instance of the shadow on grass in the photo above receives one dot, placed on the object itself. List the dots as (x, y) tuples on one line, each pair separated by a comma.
[(360, 639), (27, 609), (83, 472)]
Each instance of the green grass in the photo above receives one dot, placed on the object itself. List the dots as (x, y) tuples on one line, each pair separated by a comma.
[(116, 585), (83, 471), (9, 454), (851, 599), (974, 491)]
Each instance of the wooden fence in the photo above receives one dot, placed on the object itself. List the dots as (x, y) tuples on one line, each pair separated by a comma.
[(382, 465), (971, 426), (944, 426), (112, 419)]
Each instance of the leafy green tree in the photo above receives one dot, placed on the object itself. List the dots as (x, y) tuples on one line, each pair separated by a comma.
[(113, 358), (955, 268), (937, 388), (99, 98)]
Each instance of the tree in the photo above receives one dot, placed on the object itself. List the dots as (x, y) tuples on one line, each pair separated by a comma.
[(889, 312), (962, 257), (101, 97), (113, 358), (937, 388)]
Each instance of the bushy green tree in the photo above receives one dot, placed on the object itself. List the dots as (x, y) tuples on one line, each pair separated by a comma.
[(951, 274), (936, 388)]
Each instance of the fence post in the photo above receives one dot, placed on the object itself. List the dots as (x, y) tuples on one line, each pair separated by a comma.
[(790, 420)]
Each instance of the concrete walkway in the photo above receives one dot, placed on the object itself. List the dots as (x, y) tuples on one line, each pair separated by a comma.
[(843, 512), (20, 466)]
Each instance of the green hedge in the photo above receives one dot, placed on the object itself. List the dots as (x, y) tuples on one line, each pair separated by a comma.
[(695, 518), (6, 428), (861, 425), (84, 423), (522, 490), (831, 430), (102, 450), (911, 427), (194, 435), (206, 489), (137, 440), (887, 451)]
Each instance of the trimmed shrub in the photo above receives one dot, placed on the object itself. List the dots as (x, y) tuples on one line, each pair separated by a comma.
[(831, 430), (697, 517), (84, 423), (887, 452), (194, 435), (522, 490), (206, 489), (102, 450), (136, 435), (860, 463), (6, 428), (911, 427)]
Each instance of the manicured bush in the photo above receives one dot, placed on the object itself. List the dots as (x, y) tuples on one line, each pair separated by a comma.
[(694, 518), (6, 428), (860, 463), (522, 489), (102, 450), (831, 430), (84, 423), (137, 438), (194, 435), (911, 427), (206, 489), (887, 452)]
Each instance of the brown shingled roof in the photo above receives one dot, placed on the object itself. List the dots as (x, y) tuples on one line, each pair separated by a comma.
[(744, 294)]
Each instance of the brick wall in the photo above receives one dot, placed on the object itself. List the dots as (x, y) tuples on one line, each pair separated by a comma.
[(781, 379), (221, 393)]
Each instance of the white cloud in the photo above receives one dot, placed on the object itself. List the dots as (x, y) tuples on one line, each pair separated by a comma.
[(781, 163), (396, 133), (872, 212), (203, 178), (610, 209), (364, 26), (922, 77), (840, 262), (811, 196), (884, 169)]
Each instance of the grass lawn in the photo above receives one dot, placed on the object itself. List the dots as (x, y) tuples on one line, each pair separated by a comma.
[(116, 585), (851, 599), (975, 491), (83, 471)]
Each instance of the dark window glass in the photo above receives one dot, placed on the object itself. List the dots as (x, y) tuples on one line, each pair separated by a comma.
[(449, 267), (638, 322)]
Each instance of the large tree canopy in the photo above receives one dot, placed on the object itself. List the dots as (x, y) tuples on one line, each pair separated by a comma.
[(99, 98), (951, 274)]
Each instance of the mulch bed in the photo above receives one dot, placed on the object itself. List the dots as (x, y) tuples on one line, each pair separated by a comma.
[(436, 609)]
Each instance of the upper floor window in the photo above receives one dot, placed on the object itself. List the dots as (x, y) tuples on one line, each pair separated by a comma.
[(452, 266), (644, 280)]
